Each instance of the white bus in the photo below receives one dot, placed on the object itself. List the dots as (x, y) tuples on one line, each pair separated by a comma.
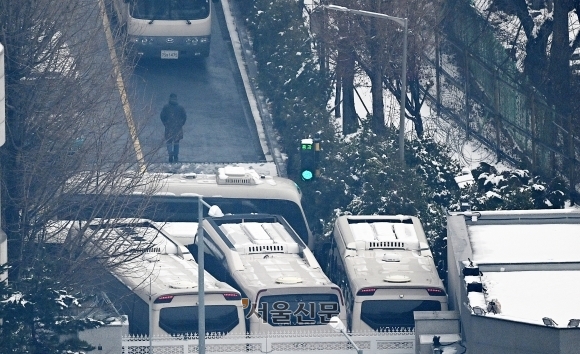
[(157, 284), (173, 198), (166, 29), (283, 284), (386, 271)]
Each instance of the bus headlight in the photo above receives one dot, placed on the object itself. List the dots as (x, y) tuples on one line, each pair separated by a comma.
[(196, 40), (142, 40), (192, 40), (147, 40)]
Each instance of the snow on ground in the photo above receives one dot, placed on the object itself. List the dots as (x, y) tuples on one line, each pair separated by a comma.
[(468, 152)]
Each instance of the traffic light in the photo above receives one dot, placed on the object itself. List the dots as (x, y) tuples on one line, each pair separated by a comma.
[(307, 160)]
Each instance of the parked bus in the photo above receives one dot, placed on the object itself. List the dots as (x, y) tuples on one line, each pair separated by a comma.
[(156, 284), (166, 29), (386, 271), (172, 198), (283, 284)]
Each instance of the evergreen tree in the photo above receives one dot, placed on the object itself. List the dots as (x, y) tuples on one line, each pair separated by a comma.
[(361, 172), (38, 316)]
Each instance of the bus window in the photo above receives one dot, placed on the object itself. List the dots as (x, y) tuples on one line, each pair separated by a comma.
[(380, 314), (170, 10), (150, 9), (176, 209), (184, 319), (189, 9)]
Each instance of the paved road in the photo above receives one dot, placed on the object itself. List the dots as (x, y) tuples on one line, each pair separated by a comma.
[(220, 127)]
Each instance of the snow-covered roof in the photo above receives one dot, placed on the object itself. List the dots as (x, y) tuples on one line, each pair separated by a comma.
[(529, 264), (529, 296), (152, 261), (378, 248), (520, 243), (264, 252)]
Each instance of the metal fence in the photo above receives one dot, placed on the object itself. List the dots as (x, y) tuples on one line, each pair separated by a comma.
[(280, 342), (499, 107)]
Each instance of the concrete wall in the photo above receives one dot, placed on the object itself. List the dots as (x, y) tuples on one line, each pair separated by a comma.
[(492, 335), (458, 249), (444, 324), (436, 322), (108, 339)]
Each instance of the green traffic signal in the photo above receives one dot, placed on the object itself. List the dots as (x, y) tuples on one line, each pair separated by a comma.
[(307, 160), (307, 175)]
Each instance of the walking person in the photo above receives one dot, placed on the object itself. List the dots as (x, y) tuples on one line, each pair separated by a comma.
[(173, 117)]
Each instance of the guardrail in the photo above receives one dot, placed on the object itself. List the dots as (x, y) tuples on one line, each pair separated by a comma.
[(392, 342)]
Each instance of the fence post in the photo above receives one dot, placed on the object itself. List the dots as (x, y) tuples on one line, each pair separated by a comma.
[(266, 345), (466, 93), (571, 154), (497, 116), (554, 143), (439, 17), (533, 126)]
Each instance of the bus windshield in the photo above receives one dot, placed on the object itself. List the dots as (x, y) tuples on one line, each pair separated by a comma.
[(170, 9), (184, 320), (381, 314), (177, 209)]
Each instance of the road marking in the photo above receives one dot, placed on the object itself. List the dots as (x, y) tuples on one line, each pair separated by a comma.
[(121, 86)]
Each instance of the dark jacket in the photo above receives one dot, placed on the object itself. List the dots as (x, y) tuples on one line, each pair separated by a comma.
[(173, 117)]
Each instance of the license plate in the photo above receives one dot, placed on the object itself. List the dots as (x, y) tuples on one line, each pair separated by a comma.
[(169, 54)]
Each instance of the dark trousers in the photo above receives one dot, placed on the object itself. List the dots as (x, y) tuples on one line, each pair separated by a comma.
[(173, 150)]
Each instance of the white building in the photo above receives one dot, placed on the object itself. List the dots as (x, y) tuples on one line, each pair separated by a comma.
[(514, 279)]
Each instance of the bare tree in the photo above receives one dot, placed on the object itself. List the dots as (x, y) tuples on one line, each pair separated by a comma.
[(423, 23), (561, 51), (378, 48), (548, 45), (64, 119), (345, 73)]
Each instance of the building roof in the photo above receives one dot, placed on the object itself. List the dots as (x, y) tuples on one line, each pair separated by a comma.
[(529, 263), (521, 243)]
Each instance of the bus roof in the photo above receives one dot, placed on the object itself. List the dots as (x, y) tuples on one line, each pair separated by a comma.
[(264, 252), (166, 197), (164, 274), (161, 265), (386, 251), (228, 182)]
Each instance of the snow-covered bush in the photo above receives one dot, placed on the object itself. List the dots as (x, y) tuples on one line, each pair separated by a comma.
[(512, 190)]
